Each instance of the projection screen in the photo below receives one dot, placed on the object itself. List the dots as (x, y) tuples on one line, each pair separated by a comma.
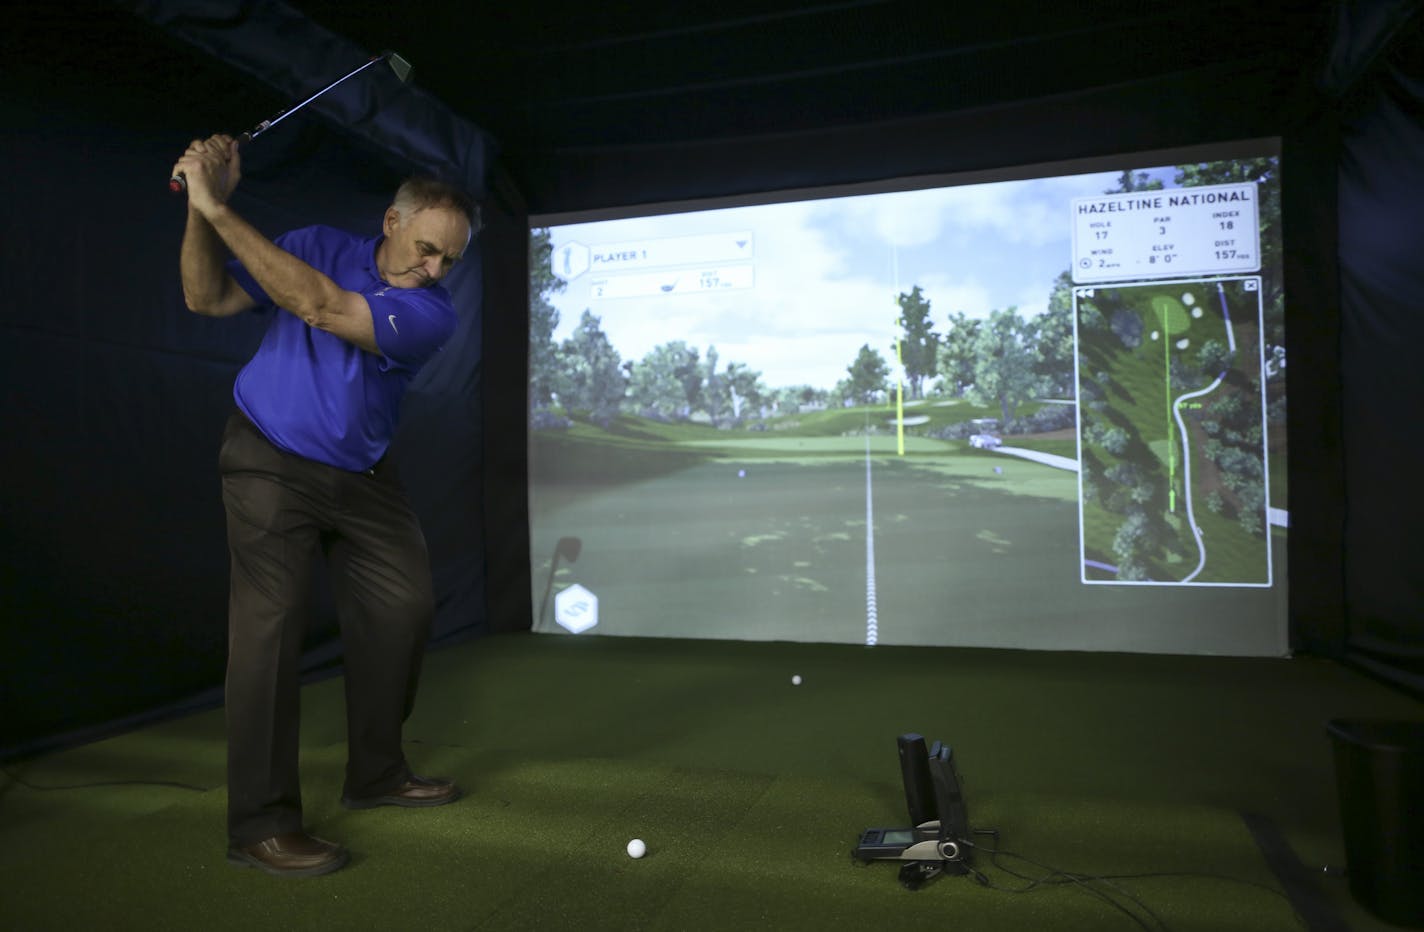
[(1041, 407)]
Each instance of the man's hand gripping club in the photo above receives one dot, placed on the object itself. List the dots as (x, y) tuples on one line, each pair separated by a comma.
[(211, 169)]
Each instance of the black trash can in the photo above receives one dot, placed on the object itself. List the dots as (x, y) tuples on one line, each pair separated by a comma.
[(1379, 773)]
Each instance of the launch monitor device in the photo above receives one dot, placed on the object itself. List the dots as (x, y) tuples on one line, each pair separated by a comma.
[(935, 803)]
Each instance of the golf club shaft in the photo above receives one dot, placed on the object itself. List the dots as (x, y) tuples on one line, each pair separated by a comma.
[(177, 184)]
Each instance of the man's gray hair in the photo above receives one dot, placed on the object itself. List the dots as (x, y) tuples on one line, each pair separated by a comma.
[(422, 191)]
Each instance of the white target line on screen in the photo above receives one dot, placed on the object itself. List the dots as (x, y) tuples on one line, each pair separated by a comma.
[(872, 621)]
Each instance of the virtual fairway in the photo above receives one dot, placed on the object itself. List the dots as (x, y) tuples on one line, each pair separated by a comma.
[(776, 550), (732, 535)]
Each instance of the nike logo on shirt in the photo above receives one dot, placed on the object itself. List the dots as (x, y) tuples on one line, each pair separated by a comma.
[(392, 319)]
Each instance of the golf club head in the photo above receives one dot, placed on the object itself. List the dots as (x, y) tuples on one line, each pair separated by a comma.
[(398, 64), (568, 548)]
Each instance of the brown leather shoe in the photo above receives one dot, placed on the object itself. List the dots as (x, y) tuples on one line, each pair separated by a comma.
[(415, 791), (292, 854)]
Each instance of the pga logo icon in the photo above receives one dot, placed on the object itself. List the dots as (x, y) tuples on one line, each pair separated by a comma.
[(576, 609)]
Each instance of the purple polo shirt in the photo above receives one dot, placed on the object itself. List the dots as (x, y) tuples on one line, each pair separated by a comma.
[(312, 393)]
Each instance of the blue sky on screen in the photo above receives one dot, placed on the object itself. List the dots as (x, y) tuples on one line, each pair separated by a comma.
[(826, 271)]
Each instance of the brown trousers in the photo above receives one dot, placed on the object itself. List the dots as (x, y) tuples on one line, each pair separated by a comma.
[(283, 512)]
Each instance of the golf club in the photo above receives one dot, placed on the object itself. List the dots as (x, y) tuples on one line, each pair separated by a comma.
[(568, 548), (400, 66)]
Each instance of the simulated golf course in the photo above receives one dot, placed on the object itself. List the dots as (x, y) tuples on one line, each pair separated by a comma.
[(817, 529)]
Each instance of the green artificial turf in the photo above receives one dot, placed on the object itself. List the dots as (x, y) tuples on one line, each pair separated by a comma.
[(749, 791)]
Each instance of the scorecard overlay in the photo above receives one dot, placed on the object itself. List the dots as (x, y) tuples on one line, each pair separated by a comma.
[(1173, 460), (663, 266)]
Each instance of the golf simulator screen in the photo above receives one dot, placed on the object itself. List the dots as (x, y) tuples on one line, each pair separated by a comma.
[(1042, 408)]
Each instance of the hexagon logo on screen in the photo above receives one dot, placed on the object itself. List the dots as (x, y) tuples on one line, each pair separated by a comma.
[(569, 261), (576, 609)]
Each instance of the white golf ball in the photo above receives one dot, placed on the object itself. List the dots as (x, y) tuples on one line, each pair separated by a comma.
[(796, 680), (636, 848)]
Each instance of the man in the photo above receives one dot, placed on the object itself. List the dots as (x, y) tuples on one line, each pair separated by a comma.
[(304, 472)]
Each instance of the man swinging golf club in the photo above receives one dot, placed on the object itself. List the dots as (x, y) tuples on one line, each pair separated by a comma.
[(304, 471)]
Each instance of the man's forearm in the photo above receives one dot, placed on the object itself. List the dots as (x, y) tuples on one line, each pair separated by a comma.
[(202, 265), (288, 281)]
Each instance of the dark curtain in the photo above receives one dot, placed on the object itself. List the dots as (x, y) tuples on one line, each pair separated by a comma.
[(1377, 73)]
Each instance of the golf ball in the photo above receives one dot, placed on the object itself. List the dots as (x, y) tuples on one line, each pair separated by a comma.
[(796, 680), (636, 848)]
